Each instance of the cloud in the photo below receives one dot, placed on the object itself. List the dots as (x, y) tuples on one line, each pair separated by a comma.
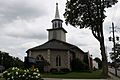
[(11, 10), (25, 29), (23, 25)]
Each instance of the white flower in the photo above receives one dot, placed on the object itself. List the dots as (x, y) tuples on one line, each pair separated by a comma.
[(29, 75), (13, 68), (23, 75), (16, 68), (37, 70), (12, 77), (34, 73), (4, 72), (8, 74), (25, 70), (38, 74), (17, 73)]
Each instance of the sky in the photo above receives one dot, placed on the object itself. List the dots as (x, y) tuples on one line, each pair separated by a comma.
[(23, 25)]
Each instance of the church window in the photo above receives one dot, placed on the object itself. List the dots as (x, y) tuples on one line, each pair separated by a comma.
[(40, 58), (59, 24), (55, 24), (58, 61)]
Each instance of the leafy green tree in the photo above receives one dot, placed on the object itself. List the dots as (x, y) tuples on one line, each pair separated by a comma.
[(8, 61), (78, 65), (89, 13), (99, 62), (116, 56)]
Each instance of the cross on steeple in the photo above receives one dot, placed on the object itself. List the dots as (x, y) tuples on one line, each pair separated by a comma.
[(57, 12)]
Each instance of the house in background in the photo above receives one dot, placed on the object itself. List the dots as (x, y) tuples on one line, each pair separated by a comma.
[(95, 65), (56, 53)]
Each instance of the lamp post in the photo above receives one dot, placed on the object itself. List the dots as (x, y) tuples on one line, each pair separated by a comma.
[(114, 45)]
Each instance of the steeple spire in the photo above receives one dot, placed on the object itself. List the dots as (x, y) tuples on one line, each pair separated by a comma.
[(57, 31), (57, 12)]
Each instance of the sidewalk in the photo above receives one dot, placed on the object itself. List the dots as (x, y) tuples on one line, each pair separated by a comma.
[(73, 79), (113, 77)]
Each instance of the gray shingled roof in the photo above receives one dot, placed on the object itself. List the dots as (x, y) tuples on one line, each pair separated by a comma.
[(55, 44)]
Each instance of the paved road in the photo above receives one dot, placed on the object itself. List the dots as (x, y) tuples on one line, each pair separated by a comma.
[(112, 70)]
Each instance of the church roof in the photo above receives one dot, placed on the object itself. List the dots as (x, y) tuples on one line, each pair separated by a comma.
[(56, 45), (57, 29)]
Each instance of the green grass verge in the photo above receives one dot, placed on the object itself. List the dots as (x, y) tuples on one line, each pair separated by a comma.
[(75, 75)]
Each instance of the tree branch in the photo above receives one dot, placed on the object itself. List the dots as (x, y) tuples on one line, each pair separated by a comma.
[(95, 35)]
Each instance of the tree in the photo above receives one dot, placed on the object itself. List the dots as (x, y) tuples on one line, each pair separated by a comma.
[(89, 13), (99, 62), (116, 56), (8, 61), (78, 65)]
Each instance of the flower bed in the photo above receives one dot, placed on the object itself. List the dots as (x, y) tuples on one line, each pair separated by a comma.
[(22, 74)]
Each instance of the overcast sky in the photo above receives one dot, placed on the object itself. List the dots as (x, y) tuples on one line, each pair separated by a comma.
[(23, 25)]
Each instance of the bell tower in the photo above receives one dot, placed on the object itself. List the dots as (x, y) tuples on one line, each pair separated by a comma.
[(57, 31)]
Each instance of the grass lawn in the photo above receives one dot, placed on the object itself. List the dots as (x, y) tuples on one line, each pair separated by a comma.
[(75, 75)]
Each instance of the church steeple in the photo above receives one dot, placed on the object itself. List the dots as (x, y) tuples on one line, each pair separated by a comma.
[(57, 12), (57, 22), (57, 32)]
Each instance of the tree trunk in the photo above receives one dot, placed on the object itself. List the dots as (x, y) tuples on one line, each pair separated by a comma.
[(104, 60), (102, 45), (103, 53)]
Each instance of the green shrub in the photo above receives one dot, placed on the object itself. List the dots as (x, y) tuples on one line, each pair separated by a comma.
[(78, 65), (21, 74)]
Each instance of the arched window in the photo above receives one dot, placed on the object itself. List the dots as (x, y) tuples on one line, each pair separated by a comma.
[(55, 24), (58, 61), (59, 24), (39, 58)]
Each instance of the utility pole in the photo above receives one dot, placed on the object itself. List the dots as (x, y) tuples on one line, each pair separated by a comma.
[(113, 31)]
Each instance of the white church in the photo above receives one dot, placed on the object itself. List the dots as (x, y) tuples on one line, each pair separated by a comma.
[(56, 53)]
